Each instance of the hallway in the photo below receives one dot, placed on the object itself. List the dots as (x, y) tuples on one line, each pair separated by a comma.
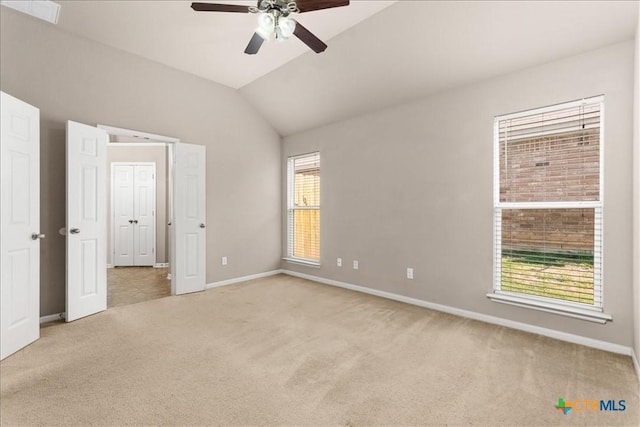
[(131, 285)]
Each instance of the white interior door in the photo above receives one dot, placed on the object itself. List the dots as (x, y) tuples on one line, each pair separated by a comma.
[(134, 211), (189, 218), (86, 220), (20, 224), (144, 207), (122, 188)]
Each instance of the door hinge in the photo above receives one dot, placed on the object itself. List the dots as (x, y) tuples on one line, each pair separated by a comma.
[(153, 250)]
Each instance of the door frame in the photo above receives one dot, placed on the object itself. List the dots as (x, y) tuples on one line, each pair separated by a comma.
[(134, 138), (155, 204)]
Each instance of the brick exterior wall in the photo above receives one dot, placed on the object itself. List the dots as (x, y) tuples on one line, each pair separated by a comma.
[(563, 167), (564, 230)]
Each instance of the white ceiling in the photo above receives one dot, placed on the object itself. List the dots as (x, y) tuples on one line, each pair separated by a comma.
[(417, 48), (208, 44), (380, 53)]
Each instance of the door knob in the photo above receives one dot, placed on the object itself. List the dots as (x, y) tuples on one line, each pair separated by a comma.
[(202, 225), (130, 221), (37, 236), (74, 231), (135, 221)]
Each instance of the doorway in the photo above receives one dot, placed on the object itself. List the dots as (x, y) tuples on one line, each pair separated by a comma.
[(138, 221), (87, 214)]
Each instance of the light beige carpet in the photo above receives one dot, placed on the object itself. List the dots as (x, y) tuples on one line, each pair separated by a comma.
[(285, 351)]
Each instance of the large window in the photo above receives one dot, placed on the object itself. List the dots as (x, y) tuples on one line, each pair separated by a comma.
[(548, 208), (303, 208)]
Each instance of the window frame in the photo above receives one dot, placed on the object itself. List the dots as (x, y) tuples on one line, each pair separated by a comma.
[(592, 312), (291, 208)]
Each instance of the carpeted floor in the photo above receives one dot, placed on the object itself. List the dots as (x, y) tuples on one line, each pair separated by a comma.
[(131, 285), (285, 351)]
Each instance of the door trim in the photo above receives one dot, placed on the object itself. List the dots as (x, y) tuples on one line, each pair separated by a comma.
[(137, 136)]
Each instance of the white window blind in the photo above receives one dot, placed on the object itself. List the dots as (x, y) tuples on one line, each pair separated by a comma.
[(303, 203), (548, 204)]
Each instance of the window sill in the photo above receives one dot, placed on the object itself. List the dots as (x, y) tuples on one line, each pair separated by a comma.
[(305, 262), (592, 315)]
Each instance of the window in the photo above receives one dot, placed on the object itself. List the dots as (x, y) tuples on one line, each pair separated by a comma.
[(303, 209), (548, 209)]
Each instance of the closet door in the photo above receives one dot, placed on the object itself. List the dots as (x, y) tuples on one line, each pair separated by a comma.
[(123, 224), (144, 206)]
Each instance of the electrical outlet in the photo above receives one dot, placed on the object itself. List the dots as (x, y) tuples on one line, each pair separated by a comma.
[(355, 265), (224, 260), (409, 273), (339, 262)]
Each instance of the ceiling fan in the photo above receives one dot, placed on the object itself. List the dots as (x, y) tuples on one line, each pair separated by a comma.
[(274, 19)]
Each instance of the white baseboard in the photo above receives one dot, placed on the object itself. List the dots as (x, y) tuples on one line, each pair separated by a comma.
[(52, 317), (636, 365), (161, 265), (169, 276), (242, 279), (109, 266), (563, 336)]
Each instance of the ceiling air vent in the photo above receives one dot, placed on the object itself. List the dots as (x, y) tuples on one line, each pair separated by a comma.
[(41, 9)]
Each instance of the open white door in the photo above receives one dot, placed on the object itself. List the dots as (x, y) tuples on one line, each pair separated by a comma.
[(189, 218), (20, 224), (86, 220)]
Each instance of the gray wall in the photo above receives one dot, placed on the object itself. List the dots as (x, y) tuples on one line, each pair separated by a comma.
[(411, 186), (69, 78), (157, 155), (636, 199)]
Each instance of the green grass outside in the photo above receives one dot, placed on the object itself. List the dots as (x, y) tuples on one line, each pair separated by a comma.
[(569, 278)]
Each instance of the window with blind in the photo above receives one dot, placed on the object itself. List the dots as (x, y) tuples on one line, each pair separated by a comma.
[(548, 208), (303, 208)]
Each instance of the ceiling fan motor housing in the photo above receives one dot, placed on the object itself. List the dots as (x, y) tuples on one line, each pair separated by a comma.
[(284, 7)]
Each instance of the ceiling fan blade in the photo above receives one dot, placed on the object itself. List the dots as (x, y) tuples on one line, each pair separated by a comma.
[(216, 7), (309, 39), (310, 5), (254, 44)]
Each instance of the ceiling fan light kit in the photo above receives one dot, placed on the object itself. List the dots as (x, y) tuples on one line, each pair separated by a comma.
[(273, 23), (274, 20)]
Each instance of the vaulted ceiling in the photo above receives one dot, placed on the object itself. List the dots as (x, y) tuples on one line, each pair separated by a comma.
[(208, 44), (380, 53)]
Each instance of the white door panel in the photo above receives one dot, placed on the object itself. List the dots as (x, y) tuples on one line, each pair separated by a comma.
[(145, 221), (20, 219), (86, 220), (189, 218), (134, 199), (122, 188)]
